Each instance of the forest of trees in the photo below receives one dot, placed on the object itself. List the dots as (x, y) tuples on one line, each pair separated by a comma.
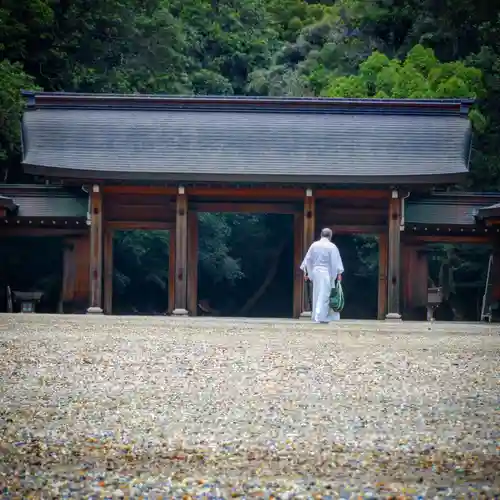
[(351, 48)]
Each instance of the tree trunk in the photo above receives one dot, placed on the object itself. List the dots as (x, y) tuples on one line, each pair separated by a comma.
[(273, 269)]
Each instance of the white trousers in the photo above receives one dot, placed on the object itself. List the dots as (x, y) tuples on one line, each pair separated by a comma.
[(322, 287)]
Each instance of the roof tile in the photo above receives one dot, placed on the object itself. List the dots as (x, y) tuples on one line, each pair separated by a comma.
[(207, 144)]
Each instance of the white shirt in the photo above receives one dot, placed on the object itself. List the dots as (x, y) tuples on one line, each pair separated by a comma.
[(323, 253)]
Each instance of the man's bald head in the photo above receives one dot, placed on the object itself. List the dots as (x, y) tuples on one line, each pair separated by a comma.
[(327, 233)]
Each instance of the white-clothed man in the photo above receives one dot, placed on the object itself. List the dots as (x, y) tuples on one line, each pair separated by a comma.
[(323, 265)]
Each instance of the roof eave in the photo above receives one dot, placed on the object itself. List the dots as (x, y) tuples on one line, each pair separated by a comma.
[(393, 180), (8, 204), (492, 211)]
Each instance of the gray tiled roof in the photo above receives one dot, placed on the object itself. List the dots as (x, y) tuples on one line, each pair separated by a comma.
[(8, 203), (46, 201), (201, 143), (489, 211), (448, 209)]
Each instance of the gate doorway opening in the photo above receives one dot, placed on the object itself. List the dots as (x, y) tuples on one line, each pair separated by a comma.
[(360, 255), (140, 267), (246, 264)]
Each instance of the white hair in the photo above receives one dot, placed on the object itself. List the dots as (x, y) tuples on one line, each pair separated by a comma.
[(327, 233)]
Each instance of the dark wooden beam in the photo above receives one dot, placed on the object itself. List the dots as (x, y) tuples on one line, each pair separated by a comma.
[(235, 207), (96, 250), (148, 209), (140, 199), (141, 214), (342, 213), (352, 193), (181, 250), (253, 193), (480, 239), (143, 225), (146, 190), (43, 222), (450, 230), (492, 222), (357, 229), (393, 264), (38, 231)]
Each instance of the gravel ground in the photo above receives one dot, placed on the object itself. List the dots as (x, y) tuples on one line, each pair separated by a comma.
[(160, 408)]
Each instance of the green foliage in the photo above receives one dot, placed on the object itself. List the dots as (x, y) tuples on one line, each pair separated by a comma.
[(226, 40), (419, 76), (263, 47), (12, 79), (214, 253)]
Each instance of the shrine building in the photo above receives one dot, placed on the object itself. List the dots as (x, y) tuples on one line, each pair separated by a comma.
[(359, 166)]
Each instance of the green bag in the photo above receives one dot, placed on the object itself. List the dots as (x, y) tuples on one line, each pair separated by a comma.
[(337, 297)]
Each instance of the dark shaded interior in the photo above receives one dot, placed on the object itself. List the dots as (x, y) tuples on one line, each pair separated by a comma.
[(464, 286), (259, 262), (29, 264), (140, 272), (360, 281)]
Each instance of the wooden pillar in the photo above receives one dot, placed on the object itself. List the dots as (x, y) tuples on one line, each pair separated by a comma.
[(171, 273), (108, 271), (309, 224), (181, 252), (394, 256), (382, 276), (192, 259), (96, 250), (298, 277)]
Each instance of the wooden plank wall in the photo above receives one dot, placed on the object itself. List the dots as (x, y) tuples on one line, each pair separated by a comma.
[(414, 276), (139, 211), (349, 215), (82, 274), (76, 274)]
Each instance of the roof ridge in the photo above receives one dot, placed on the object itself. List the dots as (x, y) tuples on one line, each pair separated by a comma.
[(251, 103)]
